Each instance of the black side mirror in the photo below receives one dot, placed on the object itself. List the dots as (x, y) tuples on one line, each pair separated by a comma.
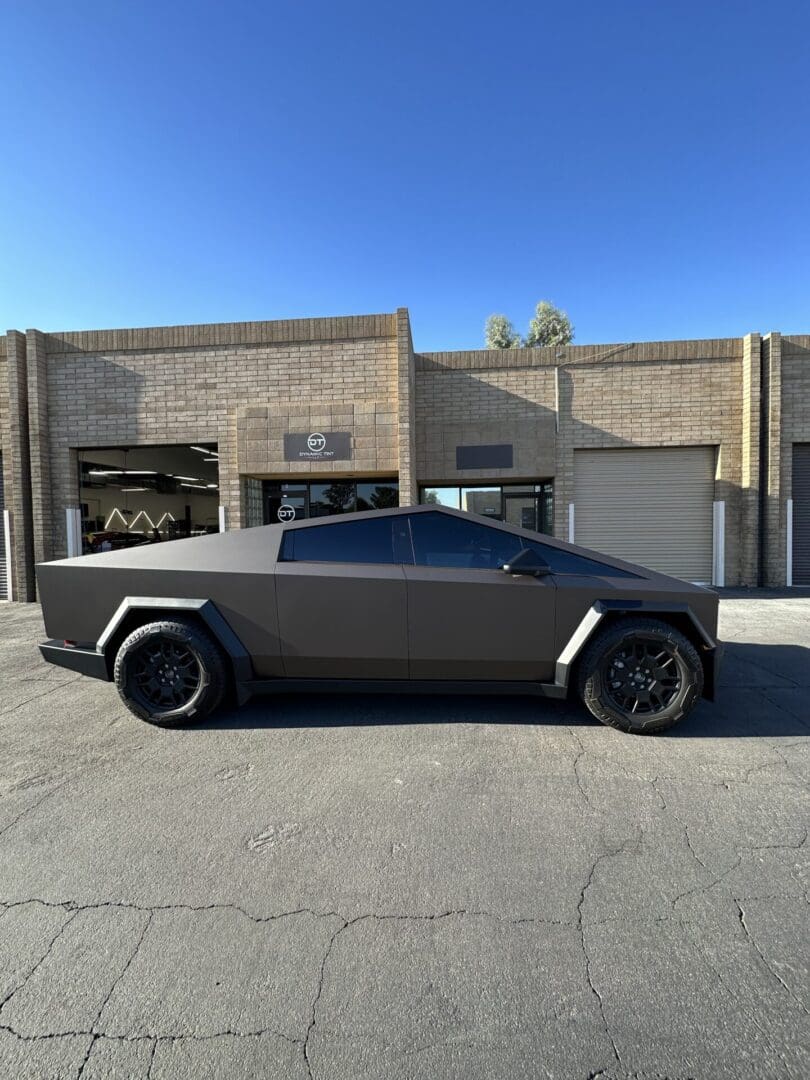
[(527, 562)]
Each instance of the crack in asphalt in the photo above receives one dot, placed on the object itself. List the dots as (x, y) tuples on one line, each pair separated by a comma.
[(75, 907), (30, 808), (316, 999), (768, 967), (609, 854), (184, 1036), (36, 697), (735, 997), (116, 981), (44, 956)]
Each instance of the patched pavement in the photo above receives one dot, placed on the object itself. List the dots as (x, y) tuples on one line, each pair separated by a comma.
[(407, 888)]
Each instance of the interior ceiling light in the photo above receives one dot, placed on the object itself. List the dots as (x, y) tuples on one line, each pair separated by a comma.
[(197, 487), (112, 515), (123, 472), (135, 489), (211, 459), (193, 479), (204, 450), (212, 485)]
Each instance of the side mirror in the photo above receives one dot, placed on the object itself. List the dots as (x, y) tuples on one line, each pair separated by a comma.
[(527, 562)]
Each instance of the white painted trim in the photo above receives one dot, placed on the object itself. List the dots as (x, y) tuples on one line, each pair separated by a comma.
[(74, 531), (7, 541), (719, 543), (789, 545), (570, 523), (223, 519)]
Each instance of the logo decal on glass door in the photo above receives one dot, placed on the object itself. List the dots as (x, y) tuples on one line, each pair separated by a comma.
[(285, 512)]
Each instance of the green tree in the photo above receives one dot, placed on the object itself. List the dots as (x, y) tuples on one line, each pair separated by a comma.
[(550, 326), (500, 334)]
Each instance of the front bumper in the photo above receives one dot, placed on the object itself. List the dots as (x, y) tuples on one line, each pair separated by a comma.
[(85, 661)]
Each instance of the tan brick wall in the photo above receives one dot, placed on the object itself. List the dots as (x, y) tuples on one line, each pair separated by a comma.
[(481, 397), (244, 385), (551, 402), (794, 427), (239, 386)]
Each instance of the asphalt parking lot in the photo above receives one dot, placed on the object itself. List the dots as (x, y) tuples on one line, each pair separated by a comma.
[(407, 888)]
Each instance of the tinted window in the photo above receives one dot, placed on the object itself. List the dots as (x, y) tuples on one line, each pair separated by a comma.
[(344, 542), (440, 540), (452, 542), (568, 562)]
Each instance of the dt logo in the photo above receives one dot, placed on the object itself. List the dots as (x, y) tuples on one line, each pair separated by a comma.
[(285, 512), (316, 442)]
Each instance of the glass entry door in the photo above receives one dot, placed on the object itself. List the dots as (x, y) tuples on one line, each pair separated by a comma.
[(304, 499), (286, 503)]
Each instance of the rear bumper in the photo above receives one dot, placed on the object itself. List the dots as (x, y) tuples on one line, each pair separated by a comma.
[(85, 661)]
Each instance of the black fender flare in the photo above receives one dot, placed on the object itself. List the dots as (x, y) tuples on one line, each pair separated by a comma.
[(206, 610), (710, 653)]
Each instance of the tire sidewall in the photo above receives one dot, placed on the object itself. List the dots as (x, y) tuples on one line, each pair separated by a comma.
[(207, 695), (598, 700)]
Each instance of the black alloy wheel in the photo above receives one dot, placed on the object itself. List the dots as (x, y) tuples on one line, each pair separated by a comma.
[(165, 674), (640, 675), (171, 672)]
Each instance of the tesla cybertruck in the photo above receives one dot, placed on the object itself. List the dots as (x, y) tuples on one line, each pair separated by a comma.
[(409, 599)]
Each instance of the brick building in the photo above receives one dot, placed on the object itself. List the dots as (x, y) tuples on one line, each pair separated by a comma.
[(690, 456)]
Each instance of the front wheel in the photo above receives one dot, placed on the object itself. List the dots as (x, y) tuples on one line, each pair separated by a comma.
[(170, 673), (640, 675)]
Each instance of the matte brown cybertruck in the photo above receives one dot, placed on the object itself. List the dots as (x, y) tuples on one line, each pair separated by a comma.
[(409, 599)]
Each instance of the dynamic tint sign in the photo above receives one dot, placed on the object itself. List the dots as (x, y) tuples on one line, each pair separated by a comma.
[(318, 446)]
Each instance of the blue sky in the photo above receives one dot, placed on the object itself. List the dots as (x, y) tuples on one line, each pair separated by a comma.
[(645, 165)]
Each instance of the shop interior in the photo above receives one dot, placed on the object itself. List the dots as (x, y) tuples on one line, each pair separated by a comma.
[(147, 494)]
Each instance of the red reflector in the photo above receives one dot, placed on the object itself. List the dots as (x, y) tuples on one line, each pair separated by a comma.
[(69, 644)]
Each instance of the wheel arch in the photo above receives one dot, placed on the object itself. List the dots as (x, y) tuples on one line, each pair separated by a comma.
[(604, 613), (135, 611)]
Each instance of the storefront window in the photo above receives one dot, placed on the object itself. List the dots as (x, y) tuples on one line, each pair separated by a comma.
[(485, 501), (377, 496), (338, 497), (529, 506), (296, 500), (442, 496)]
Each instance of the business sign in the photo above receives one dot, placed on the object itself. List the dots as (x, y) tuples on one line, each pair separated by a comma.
[(318, 446), (485, 457)]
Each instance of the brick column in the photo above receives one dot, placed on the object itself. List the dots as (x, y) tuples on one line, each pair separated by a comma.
[(406, 393), (16, 470), (750, 460), (564, 450), (41, 490), (775, 508)]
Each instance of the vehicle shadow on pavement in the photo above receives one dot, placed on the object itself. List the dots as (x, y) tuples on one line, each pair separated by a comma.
[(764, 692)]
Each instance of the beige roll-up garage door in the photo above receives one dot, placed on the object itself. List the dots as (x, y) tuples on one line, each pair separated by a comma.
[(650, 506)]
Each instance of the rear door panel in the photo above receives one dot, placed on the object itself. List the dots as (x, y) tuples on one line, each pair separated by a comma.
[(342, 620)]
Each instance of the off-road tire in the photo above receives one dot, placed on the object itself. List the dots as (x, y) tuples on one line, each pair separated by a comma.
[(609, 649), (196, 689)]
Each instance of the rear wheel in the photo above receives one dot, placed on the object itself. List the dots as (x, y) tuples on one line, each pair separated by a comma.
[(170, 673), (640, 675)]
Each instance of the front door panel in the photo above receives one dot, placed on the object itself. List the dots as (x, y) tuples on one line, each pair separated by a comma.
[(479, 624), (342, 620)]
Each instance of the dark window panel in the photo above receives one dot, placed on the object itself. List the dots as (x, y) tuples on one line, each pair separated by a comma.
[(346, 542)]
